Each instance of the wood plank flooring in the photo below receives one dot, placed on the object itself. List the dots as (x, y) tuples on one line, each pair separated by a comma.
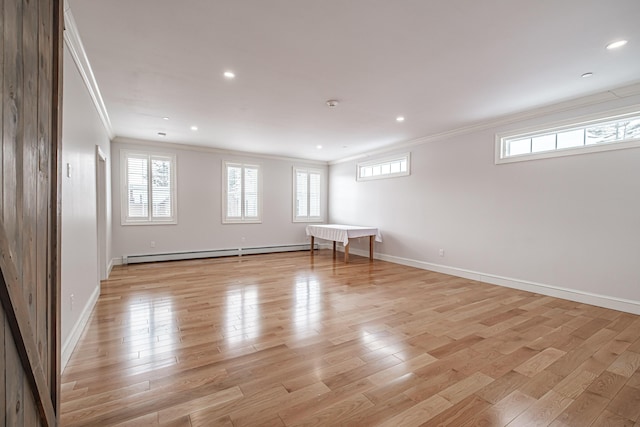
[(293, 340)]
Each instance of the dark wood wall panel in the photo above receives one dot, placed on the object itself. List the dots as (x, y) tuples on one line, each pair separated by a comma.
[(12, 193), (45, 328), (29, 179), (30, 50), (3, 323)]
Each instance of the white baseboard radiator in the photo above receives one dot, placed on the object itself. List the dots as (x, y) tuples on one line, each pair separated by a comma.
[(215, 253)]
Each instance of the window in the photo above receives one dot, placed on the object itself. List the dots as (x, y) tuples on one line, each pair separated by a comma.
[(389, 167), (595, 134), (307, 195), (241, 195), (148, 188)]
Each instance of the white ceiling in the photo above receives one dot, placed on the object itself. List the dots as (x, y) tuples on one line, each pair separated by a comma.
[(441, 64)]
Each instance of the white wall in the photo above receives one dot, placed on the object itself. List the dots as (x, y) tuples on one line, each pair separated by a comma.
[(82, 131), (567, 226), (199, 187)]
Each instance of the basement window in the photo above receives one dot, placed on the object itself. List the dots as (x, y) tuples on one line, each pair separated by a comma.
[(388, 167), (148, 188), (596, 133)]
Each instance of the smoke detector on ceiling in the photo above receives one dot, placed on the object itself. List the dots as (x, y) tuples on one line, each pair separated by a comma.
[(332, 103)]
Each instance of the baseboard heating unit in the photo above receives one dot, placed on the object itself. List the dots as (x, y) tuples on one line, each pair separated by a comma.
[(215, 253)]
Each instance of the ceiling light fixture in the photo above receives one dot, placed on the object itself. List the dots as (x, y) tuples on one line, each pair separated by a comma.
[(194, 128), (332, 103), (585, 75), (399, 119), (615, 45), (162, 133), (229, 74), (319, 147), (165, 118)]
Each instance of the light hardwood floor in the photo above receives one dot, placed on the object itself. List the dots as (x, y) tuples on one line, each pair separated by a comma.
[(287, 339)]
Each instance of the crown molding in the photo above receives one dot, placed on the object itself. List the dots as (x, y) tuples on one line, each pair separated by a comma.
[(200, 148), (76, 49), (572, 104)]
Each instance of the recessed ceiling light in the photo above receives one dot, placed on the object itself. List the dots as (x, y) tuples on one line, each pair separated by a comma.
[(331, 103), (162, 133), (194, 128), (399, 119), (165, 118), (617, 44), (585, 75), (319, 147), (229, 74)]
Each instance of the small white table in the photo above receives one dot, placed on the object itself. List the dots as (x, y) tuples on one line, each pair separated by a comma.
[(342, 233)]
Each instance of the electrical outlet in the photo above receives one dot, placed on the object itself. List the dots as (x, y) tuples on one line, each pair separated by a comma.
[(441, 252), (152, 244), (68, 170), (72, 299)]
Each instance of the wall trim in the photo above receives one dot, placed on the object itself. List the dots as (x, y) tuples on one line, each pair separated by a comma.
[(572, 104), (614, 303), (76, 49), (110, 266), (73, 338), (201, 148), (212, 253)]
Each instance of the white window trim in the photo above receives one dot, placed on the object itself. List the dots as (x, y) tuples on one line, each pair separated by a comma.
[(556, 127), (319, 218), (124, 198), (242, 220), (382, 160)]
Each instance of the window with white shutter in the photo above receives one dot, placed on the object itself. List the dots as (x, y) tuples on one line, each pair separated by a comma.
[(307, 184), (148, 188), (241, 196)]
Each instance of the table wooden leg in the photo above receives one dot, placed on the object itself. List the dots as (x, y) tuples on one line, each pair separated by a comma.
[(346, 253), (334, 249), (371, 243), (312, 242)]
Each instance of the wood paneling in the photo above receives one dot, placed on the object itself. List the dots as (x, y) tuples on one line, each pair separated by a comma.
[(293, 340), (29, 101)]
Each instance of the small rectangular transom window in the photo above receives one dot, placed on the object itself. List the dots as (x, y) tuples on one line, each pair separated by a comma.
[(389, 167), (596, 134)]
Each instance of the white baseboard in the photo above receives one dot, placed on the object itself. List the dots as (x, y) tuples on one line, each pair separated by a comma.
[(71, 341), (620, 304), (110, 267), (213, 253)]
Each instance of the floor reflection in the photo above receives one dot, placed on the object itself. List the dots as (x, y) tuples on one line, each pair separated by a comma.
[(150, 326), (308, 306), (242, 315)]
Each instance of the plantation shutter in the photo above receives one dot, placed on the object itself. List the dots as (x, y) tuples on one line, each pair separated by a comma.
[(242, 193), (234, 192), (301, 194), (307, 195), (314, 195), (161, 187), (137, 187), (148, 194), (251, 192)]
